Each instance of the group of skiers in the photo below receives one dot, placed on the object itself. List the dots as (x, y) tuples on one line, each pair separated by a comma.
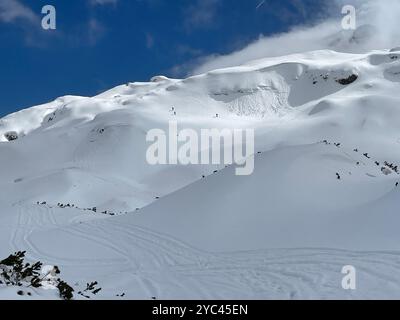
[(387, 166)]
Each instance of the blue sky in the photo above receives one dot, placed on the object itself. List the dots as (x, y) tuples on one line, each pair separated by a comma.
[(99, 44)]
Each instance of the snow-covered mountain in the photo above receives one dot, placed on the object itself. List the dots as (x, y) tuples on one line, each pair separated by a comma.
[(327, 150)]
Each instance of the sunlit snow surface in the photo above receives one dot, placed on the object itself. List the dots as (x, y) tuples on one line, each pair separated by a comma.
[(284, 232)]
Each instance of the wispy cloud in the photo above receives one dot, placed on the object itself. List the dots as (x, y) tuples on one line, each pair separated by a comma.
[(23, 18), (381, 17), (26, 21), (13, 10), (186, 50)]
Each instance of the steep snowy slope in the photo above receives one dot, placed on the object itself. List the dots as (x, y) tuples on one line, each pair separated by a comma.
[(327, 146), (293, 199)]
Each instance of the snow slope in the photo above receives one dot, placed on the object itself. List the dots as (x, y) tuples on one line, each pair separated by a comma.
[(284, 232)]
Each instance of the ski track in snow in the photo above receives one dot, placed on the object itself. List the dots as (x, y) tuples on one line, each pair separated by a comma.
[(146, 257), (90, 152)]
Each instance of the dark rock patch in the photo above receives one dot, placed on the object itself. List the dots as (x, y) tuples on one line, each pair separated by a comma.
[(347, 81)]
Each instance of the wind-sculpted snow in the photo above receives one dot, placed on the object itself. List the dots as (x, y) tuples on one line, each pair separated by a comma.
[(76, 189)]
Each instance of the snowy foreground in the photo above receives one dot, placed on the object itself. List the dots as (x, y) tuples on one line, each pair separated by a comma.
[(76, 190)]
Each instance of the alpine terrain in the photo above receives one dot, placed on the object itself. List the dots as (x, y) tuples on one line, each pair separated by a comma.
[(77, 192)]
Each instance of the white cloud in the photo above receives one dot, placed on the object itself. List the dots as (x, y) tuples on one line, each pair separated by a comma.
[(299, 40), (13, 10), (383, 15), (26, 21)]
